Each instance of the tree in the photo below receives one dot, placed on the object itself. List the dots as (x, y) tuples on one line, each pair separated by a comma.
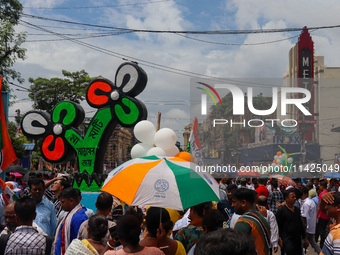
[(10, 50), (17, 141), (47, 93)]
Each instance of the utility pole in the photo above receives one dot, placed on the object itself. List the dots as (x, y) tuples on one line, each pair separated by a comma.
[(303, 141)]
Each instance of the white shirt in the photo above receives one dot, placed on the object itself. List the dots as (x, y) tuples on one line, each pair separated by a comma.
[(233, 220), (250, 186), (182, 223), (274, 229), (269, 187), (308, 210)]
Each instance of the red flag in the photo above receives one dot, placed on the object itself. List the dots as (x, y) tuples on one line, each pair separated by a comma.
[(48, 166), (32, 166), (7, 155)]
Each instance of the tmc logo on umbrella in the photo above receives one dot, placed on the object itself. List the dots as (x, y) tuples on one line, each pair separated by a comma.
[(161, 185)]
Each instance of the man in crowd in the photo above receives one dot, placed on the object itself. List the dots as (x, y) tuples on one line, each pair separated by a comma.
[(11, 221), (103, 205), (230, 189), (68, 228), (262, 189), (26, 239), (243, 183), (311, 190), (316, 183), (308, 214), (46, 215), (275, 196), (323, 219), (330, 204), (251, 221), (291, 228), (225, 241), (270, 217), (58, 184), (212, 221)]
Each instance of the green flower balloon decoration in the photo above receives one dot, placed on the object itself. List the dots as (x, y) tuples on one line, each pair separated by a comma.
[(60, 134)]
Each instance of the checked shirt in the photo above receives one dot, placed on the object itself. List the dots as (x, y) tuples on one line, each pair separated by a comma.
[(275, 196), (26, 240)]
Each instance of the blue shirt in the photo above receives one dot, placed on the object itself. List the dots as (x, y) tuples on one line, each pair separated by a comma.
[(77, 219), (316, 200), (46, 217)]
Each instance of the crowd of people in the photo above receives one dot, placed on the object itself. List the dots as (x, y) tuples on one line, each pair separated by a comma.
[(254, 216)]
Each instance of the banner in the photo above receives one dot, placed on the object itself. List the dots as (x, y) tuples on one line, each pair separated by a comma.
[(7, 155), (7, 194), (194, 146)]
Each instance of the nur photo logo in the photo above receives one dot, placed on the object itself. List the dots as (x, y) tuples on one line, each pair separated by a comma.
[(204, 97), (282, 98)]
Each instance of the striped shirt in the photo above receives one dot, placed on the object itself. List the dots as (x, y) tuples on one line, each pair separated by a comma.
[(26, 240), (56, 202), (332, 242), (254, 224)]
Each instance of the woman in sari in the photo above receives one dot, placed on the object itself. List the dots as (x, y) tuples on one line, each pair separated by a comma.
[(128, 231), (158, 226), (97, 229)]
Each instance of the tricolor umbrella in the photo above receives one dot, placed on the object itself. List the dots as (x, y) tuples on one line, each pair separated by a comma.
[(168, 182)]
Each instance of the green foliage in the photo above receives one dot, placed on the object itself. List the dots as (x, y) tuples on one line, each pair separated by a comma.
[(10, 50), (17, 142), (47, 93)]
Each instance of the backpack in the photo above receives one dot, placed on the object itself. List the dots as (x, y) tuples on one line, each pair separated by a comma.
[(4, 240)]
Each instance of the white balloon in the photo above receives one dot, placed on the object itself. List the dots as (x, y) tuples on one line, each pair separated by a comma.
[(278, 161), (290, 160), (156, 151), (172, 152), (140, 150), (165, 138), (274, 165), (276, 157), (283, 155), (145, 131)]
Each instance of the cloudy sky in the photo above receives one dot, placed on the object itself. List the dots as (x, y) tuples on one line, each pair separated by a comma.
[(169, 59)]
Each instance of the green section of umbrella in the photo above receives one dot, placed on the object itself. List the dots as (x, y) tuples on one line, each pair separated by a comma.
[(193, 189)]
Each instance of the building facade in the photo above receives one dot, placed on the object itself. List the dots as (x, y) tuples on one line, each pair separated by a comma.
[(325, 92)]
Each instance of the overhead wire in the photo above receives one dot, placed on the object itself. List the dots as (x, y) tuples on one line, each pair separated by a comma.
[(210, 32), (237, 44), (185, 36), (149, 63), (94, 7)]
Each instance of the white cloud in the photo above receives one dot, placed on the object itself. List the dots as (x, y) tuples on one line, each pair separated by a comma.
[(42, 3), (169, 50), (177, 113)]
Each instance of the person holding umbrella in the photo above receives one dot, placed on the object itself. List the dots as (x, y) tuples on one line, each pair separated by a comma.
[(155, 238)]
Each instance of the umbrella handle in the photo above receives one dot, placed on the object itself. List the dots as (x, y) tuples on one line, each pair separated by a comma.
[(160, 218)]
